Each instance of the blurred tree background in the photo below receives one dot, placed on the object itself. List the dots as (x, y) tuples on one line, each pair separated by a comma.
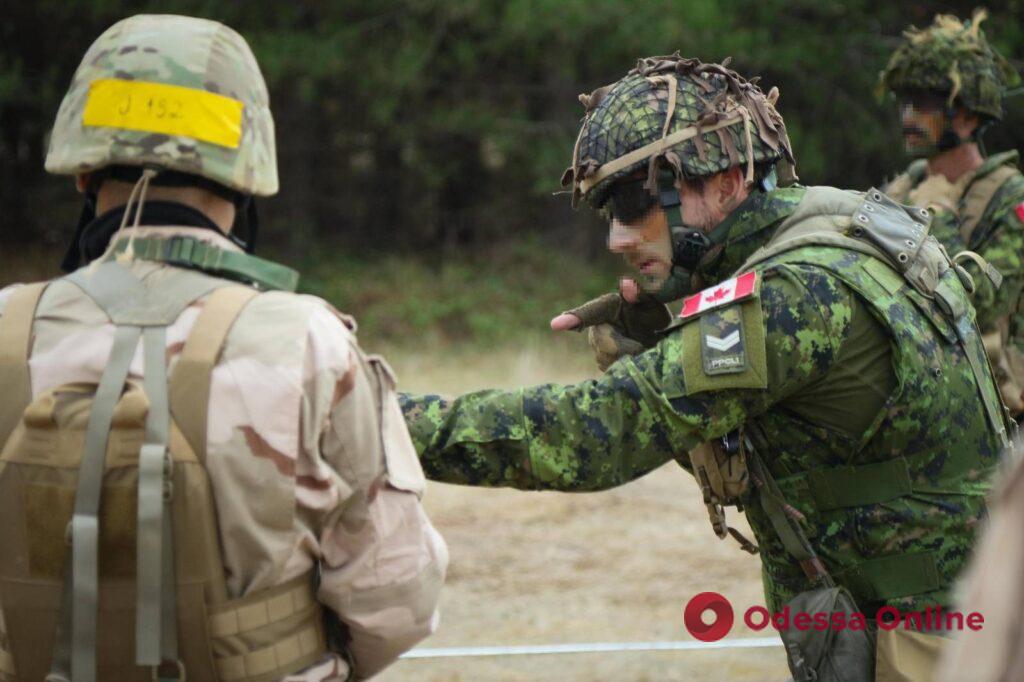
[(435, 131)]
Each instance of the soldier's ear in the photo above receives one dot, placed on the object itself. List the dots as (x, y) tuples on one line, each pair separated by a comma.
[(728, 188)]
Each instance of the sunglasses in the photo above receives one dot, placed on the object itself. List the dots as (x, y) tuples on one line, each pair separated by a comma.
[(628, 201)]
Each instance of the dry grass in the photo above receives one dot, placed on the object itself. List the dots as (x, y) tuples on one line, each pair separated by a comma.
[(533, 568)]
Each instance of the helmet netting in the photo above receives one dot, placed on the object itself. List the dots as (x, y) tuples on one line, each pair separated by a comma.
[(631, 114)]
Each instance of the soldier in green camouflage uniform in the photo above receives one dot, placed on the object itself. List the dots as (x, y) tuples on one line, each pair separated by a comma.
[(839, 341), (950, 84)]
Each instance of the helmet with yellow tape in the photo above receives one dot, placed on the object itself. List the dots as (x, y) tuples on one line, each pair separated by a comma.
[(678, 113), (172, 92)]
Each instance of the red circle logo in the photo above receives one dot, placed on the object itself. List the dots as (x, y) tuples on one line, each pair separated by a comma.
[(718, 605)]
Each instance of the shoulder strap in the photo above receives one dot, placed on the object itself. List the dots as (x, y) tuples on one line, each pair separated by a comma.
[(786, 527), (978, 196), (127, 300), (15, 346), (192, 253), (900, 186), (190, 381)]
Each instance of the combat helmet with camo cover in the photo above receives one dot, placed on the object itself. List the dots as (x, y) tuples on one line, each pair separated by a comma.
[(172, 100), (676, 118), (952, 59), (172, 92)]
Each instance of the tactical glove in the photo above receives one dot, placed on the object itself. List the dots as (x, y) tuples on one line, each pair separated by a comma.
[(616, 327)]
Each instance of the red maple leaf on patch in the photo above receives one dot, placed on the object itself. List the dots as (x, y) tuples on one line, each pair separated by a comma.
[(716, 295)]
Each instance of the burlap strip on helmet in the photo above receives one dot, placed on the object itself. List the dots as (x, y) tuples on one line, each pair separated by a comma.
[(652, 149)]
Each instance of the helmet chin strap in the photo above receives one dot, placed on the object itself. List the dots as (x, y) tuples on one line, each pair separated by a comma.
[(948, 139), (689, 244)]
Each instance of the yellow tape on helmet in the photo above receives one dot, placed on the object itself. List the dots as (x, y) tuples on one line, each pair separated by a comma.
[(167, 109)]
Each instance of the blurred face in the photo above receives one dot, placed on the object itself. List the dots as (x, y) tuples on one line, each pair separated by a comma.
[(639, 229), (923, 119)]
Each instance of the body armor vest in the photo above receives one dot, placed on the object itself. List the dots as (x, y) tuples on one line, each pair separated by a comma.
[(882, 251), (112, 563)]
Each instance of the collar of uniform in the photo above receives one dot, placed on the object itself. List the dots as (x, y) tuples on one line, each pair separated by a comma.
[(94, 237), (746, 228), (201, 234)]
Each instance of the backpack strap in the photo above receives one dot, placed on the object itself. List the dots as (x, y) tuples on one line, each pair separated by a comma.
[(156, 632), (138, 313), (78, 642), (15, 346), (978, 196), (190, 382)]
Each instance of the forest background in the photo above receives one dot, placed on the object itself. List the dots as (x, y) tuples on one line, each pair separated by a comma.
[(420, 146), (420, 143)]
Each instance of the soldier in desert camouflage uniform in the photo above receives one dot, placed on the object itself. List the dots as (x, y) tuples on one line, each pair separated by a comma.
[(316, 484), (838, 344), (950, 83)]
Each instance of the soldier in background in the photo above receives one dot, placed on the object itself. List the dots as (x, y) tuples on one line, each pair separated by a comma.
[(830, 380), (950, 82), (270, 526)]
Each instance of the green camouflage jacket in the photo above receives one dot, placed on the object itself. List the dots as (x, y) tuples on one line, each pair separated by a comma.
[(824, 349), (998, 236)]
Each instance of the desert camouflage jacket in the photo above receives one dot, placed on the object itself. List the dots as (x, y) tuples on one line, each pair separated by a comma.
[(305, 466), (835, 361)]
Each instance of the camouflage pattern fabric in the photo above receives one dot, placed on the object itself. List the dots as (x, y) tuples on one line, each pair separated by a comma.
[(308, 456), (952, 59), (999, 239), (632, 113), (193, 54), (854, 370)]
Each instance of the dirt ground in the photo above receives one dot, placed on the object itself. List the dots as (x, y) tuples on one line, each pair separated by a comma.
[(546, 567)]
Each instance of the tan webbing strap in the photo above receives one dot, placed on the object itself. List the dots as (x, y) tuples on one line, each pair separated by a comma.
[(190, 382), (262, 608), (15, 346), (655, 148), (994, 276), (281, 657), (288, 615), (978, 196)]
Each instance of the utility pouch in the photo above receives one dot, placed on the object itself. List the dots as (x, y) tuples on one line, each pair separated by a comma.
[(830, 655), (720, 468)]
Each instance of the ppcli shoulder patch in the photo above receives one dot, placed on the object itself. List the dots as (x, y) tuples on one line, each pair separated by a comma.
[(722, 346), (723, 293)]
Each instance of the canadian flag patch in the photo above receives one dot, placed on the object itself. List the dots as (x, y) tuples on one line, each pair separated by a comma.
[(721, 294), (1020, 211)]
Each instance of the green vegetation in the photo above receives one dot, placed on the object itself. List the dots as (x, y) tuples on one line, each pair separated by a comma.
[(448, 122), (481, 301), (420, 141)]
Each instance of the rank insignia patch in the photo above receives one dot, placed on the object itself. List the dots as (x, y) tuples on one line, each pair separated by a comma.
[(721, 342)]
